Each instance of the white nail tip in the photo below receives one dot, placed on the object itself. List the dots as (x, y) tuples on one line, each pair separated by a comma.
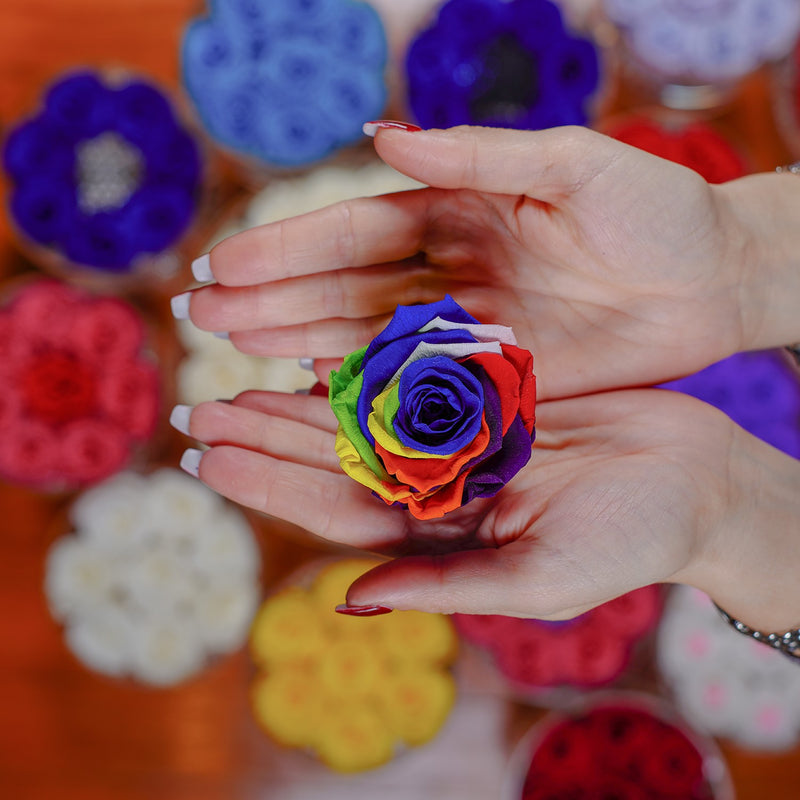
[(222, 334), (179, 418), (201, 269), (370, 128), (180, 305), (306, 363), (190, 461)]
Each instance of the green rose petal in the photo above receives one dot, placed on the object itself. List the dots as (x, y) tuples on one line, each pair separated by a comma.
[(344, 389)]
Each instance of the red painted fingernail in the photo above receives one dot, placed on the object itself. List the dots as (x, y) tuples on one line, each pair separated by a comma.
[(371, 128), (362, 611)]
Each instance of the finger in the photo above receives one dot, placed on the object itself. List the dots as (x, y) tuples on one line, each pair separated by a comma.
[(331, 506), (353, 233), (344, 293), (326, 339), (308, 410), (323, 368), (547, 165), (223, 423), (484, 581)]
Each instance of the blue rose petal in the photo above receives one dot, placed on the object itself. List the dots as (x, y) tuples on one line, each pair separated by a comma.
[(441, 406), (80, 106), (44, 209), (38, 148)]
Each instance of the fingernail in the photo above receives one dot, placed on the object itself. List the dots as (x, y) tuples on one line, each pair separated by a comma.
[(180, 305), (201, 269), (179, 418), (190, 461), (371, 128), (302, 391), (306, 363), (222, 334), (362, 611)]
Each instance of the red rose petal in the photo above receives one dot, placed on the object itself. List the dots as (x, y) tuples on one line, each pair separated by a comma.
[(425, 474), (107, 331), (630, 615), (92, 450), (44, 311), (129, 396), (29, 453), (56, 387)]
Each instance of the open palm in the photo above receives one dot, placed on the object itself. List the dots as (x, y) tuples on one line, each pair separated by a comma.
[(573, 239), (622, 491)]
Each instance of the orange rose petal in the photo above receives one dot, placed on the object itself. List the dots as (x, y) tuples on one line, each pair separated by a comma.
[(426, 474)]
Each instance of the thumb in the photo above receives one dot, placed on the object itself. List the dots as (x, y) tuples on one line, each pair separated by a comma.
[(485, 581), (548, 165)]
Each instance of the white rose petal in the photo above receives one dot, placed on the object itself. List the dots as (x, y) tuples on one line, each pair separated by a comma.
[(77, 578), (224, 616), (165, 653), (103, 640)]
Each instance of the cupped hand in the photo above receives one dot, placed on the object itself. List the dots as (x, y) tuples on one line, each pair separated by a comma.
[(624, 489), (615, 267)]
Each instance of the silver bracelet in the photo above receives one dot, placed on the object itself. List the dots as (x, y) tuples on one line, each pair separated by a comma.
[(787, 643)]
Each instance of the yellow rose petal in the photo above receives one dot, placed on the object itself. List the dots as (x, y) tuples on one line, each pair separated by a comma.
[(287, 628), (355, 740)]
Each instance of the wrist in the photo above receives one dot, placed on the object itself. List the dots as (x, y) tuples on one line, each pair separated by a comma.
[(750, 561), (764, 224)]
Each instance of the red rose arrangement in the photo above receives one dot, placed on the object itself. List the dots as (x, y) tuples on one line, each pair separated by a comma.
[(79, 393), (589, 651), (616, 751), (697, 146)]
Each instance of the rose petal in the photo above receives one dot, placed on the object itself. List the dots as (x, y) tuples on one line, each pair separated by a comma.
[(460, 393), (424, 474), (410, 319)]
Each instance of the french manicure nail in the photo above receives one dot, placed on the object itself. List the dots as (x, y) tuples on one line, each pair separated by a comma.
[(201, 269), (190, 461), (306, 363), (179, 418), (222, 334), (362, 611), (180, 305), (372, 127)]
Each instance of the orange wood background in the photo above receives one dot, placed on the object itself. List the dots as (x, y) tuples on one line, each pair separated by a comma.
[(66, 734)]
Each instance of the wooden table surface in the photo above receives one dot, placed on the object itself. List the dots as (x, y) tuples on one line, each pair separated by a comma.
[(66, 733)]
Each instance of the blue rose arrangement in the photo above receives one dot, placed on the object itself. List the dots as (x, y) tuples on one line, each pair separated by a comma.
[(286, 82), (103, 174), (436, 411), (501, 63)]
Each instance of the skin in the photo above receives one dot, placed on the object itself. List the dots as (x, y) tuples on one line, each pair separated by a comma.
[(617, 269)]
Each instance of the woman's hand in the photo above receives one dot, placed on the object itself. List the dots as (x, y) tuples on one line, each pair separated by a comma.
[(624, 489), (614, 267)]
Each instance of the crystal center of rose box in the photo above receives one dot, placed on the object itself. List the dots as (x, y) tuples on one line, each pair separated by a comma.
[(109, 170)]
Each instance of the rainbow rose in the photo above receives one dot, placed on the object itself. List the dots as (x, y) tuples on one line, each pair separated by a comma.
[(436, 411)]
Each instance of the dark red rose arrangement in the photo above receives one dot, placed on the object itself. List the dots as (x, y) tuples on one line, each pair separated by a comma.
[(616, 752), (437, 411), (589, 651), (79, 394)]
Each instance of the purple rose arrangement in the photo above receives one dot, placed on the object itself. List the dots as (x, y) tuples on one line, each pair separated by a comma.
[(103, 174), (503, 63), (759, 391), (436, 411)]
